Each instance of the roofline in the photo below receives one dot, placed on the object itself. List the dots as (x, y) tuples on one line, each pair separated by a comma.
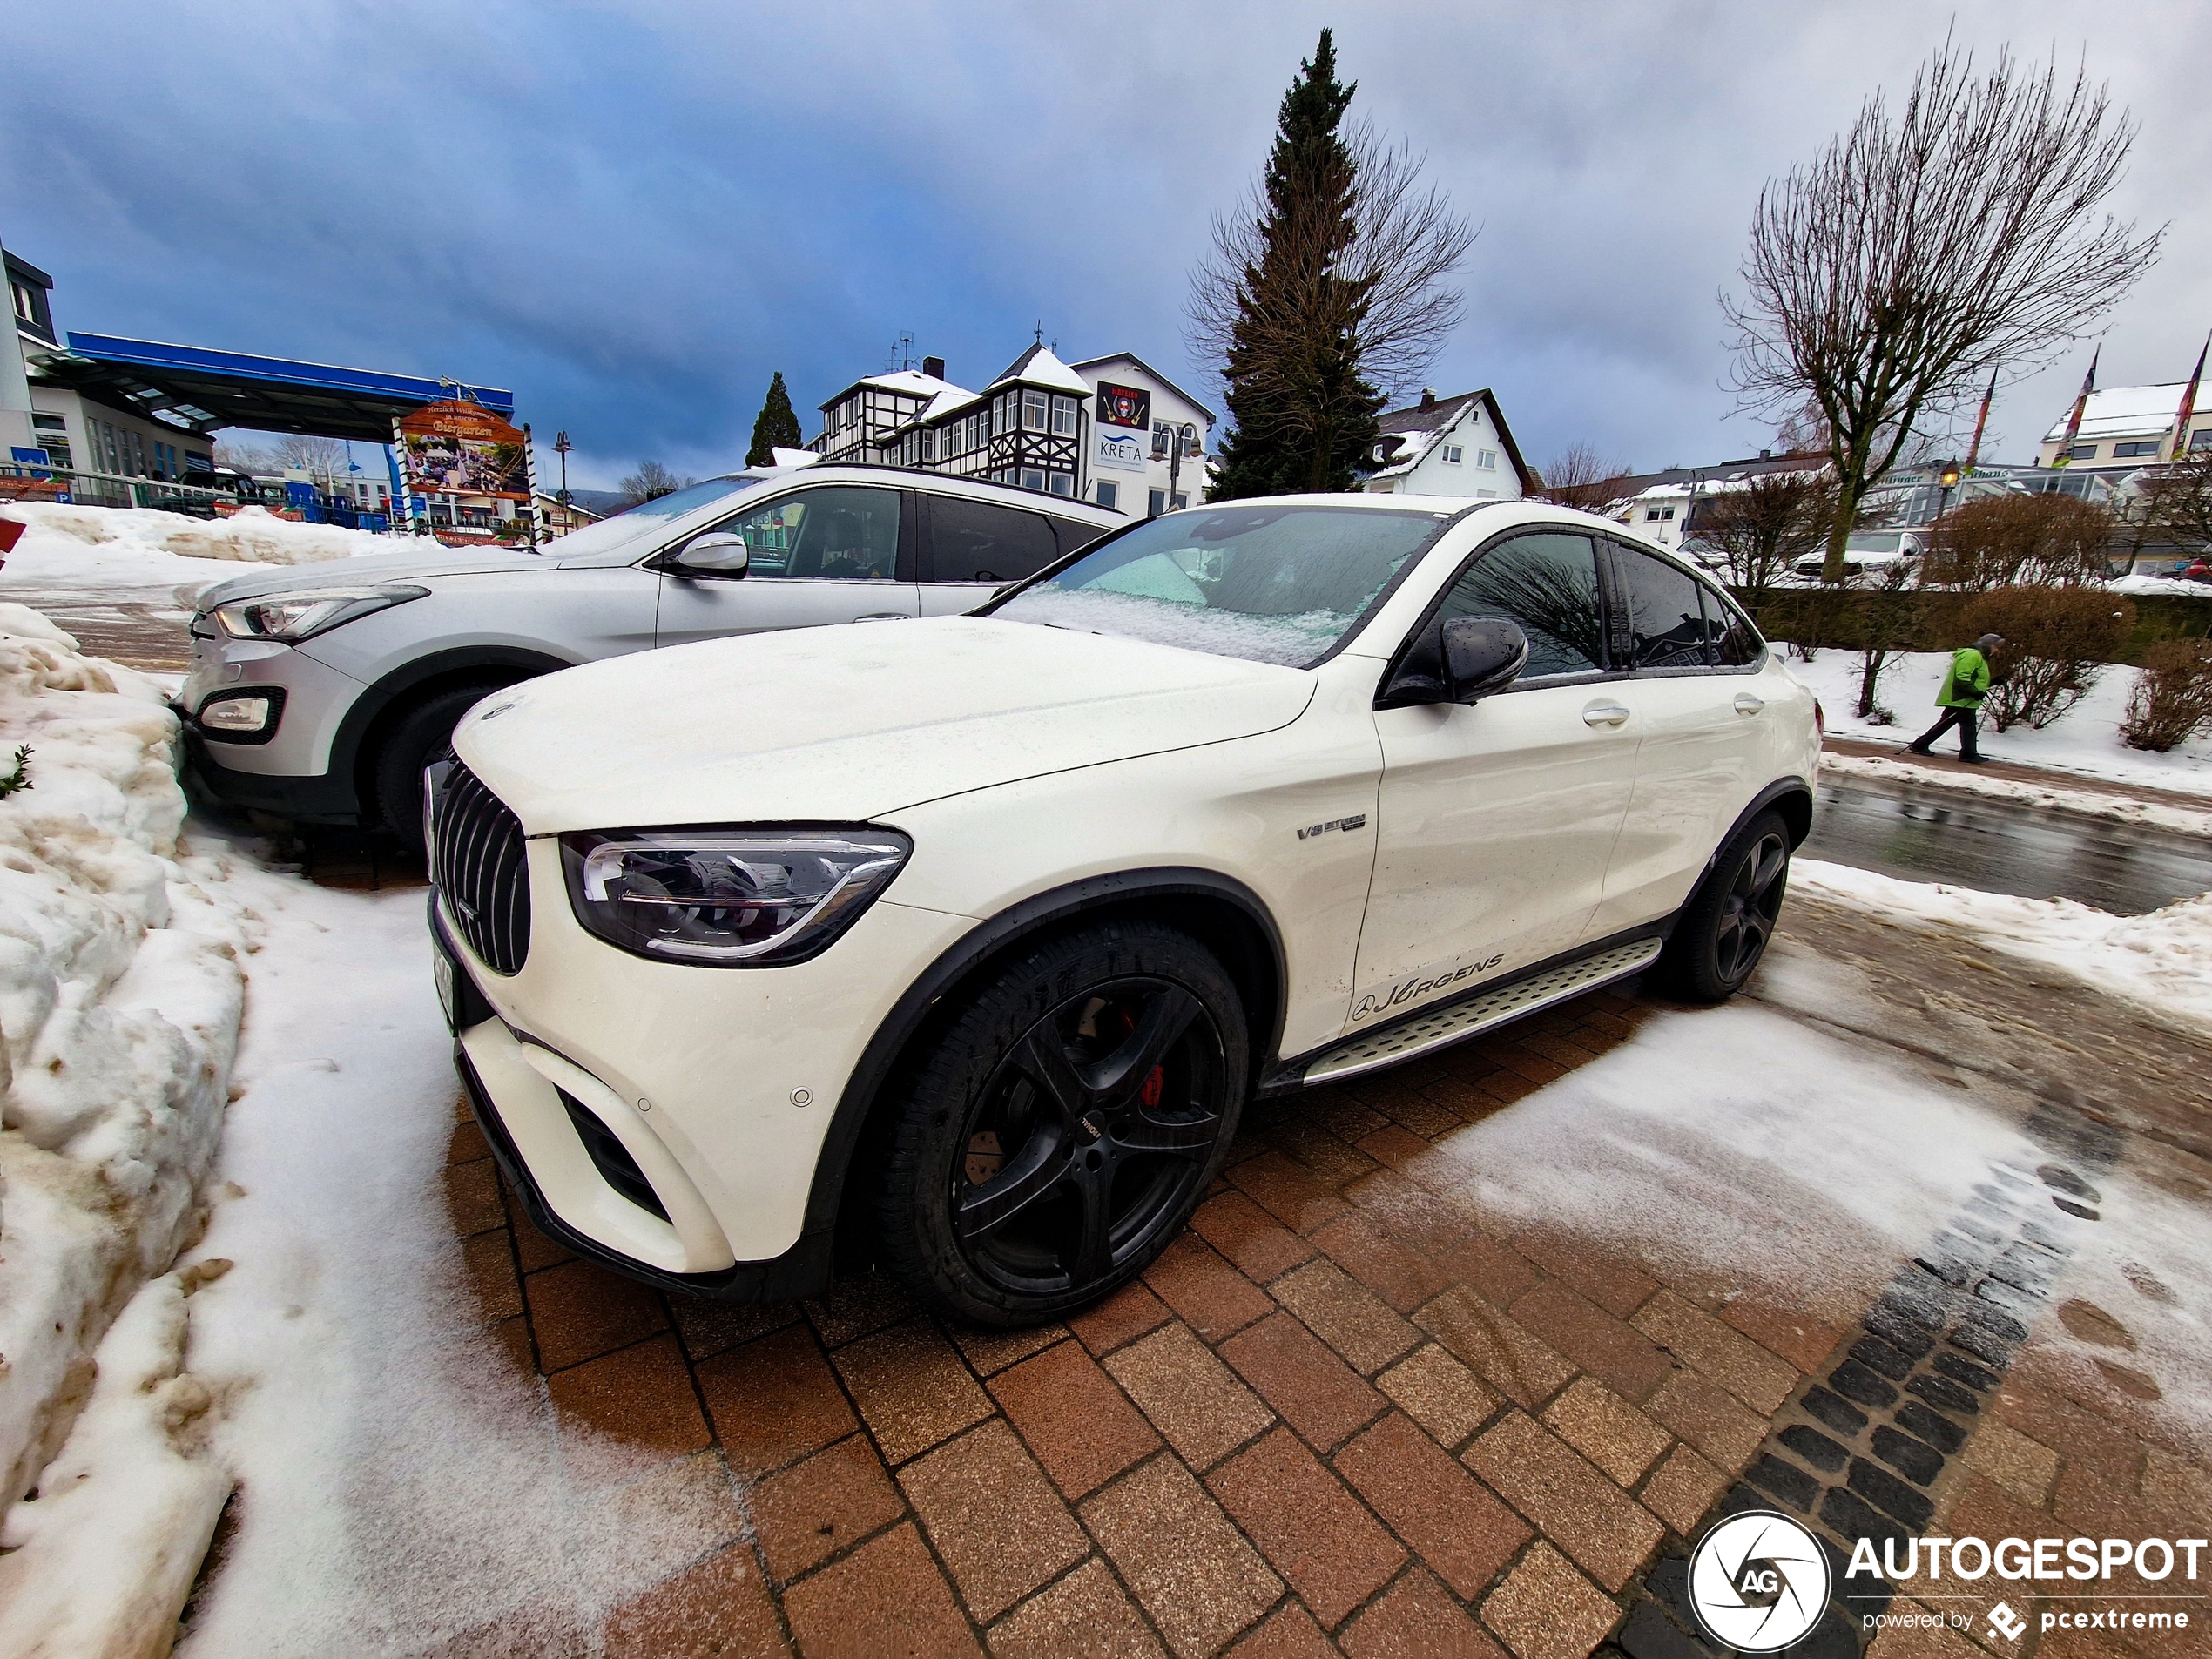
[(1211, 418), (959, 479), (159, 354), (17, 262)]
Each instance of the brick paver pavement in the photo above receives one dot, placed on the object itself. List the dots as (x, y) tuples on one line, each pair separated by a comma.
[(1338, 1412), (1347, 1411)]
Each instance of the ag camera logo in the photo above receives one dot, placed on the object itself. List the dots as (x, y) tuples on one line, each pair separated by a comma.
[(1759, 1582)]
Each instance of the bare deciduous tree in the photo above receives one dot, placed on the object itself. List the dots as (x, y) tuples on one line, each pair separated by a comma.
[(1885, 278), (1580, 477), (1384, 293), (1764, 528), (649, 483)]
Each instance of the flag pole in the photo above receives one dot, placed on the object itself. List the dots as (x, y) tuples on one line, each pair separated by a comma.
[(2081, 406), (2189, 404), (1974, 450)]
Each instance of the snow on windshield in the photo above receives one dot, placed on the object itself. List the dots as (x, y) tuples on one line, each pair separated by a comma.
[(1289, 641), (1265, 582)]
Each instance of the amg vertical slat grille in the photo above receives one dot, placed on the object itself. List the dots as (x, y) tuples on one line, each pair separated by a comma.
[(482, 871)]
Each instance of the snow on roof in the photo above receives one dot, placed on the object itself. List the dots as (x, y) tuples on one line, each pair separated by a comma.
[(1038, 366), (1410, 457), (912, 382), (2125, 410)]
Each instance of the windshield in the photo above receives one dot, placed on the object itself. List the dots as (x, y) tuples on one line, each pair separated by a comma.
[(639, 524), (1269, 584), (1875, 541)]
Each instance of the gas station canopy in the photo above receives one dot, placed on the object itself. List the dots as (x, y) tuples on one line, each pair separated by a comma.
[(221, 388)]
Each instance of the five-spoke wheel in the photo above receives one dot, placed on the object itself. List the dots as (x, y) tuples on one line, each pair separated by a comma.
[(1067, 1124), (1724, 930)]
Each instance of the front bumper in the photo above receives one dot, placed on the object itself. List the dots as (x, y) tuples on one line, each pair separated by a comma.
[(289, 773), (720, 1085)]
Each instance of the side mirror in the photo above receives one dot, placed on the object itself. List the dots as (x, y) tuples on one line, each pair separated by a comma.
[(717, 553), (1483, 655)]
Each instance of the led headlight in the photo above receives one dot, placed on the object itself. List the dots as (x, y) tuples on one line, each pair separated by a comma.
[(288, 618), (727, 898)]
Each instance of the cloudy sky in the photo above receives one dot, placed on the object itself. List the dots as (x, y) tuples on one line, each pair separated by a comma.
[(631, 214)]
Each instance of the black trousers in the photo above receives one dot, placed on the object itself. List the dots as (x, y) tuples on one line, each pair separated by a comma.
[(1963, 720)]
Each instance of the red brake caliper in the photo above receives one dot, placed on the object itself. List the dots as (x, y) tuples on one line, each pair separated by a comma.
[(1150, 1093)]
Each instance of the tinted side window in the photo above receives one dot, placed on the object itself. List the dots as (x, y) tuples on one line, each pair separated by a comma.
[(842, 532), (1548, 584), (1666, 614), (977, 541), (1730, 635)]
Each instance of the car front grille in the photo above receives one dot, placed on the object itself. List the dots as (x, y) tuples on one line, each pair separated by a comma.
[(482, 872)]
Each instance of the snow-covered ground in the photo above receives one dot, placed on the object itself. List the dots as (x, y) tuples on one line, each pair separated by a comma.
[(2085, 740), (121, 994), (2160, 962), (141, 548)]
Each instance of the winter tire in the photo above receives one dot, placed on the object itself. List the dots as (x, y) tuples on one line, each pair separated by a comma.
[(423, 733), (1061, 1130), (1722, 931)]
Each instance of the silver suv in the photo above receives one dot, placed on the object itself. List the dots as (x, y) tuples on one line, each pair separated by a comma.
[(321, 694)]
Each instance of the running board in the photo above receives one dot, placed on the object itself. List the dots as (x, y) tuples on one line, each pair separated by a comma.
[(1372, 1049)]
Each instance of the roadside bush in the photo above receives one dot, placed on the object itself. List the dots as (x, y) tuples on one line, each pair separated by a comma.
[(2056, 640), (2172, 701), (2019, 541)]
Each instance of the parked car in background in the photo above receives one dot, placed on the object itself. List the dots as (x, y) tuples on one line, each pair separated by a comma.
[(962, 945), (1867, 553), (318, 694)]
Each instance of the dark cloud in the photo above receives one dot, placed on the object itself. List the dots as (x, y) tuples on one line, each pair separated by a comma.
[(632, 214)]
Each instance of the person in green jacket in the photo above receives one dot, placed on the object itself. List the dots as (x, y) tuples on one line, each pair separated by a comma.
[(1960, 697)]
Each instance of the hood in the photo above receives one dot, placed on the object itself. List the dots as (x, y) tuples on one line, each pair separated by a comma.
[(371, 568), (846, 724)]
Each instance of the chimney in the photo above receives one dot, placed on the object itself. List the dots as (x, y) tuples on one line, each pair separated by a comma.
[(1428, 397), (934, 367), (1766, 455)]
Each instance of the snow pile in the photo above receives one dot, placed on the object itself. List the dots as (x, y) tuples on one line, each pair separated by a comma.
[(2180, 587), (2162, 962), (2059, 798), (121, 995), (252, 535), (2086, 739)]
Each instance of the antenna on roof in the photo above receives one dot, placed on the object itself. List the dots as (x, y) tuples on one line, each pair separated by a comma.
[(1040, 331), (902, 353)]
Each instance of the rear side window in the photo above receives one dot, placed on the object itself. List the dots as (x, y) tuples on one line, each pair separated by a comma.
[(1666, 616), (1548, 584), (977, 541), (1730, 637)]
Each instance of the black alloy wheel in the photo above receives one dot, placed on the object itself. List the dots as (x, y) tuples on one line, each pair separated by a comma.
[(1065, 1127), (1098, 1125), (1721, 933), (1749, 907)]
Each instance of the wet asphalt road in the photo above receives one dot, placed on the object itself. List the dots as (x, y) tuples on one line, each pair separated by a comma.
[(1935, 835)]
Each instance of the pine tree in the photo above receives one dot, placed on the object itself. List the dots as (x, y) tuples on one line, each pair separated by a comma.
[(1304, 418), (777, 426)]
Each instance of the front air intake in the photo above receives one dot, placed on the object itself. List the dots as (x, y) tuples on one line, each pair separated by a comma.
[(482, 871)]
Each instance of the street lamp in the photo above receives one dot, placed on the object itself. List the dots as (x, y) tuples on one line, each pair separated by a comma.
[(1948, 481)]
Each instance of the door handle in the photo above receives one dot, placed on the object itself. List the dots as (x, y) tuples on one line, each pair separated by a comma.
[(1746, 703), (1605, 714)]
